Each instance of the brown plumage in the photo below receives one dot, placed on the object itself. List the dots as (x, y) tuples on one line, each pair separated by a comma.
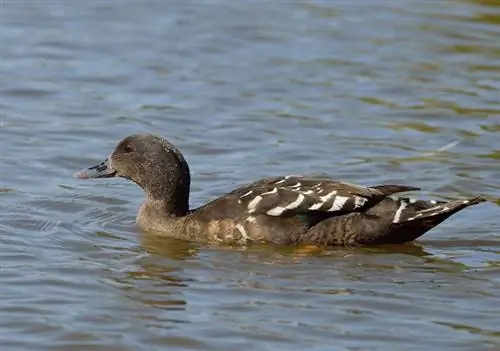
[(281, 210)]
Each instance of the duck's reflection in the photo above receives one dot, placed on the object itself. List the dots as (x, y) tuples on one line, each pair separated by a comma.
[(160, 276), (172, 248)]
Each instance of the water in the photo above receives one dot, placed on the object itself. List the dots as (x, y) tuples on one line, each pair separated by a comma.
[(364, 91)]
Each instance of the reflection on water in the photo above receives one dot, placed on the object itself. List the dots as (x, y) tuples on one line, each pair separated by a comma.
[(364, 91)]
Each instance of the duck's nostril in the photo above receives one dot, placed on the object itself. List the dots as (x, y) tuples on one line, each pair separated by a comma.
[(102, 170)]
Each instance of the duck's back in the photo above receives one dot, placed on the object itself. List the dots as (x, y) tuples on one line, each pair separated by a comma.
[(283, 209)]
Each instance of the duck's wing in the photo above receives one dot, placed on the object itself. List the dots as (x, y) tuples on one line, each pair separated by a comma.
[(292, 195)]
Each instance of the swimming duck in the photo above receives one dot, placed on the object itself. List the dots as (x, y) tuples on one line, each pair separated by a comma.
[(280, 210)]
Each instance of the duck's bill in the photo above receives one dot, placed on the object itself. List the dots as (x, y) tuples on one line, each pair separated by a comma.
[(102, 170)]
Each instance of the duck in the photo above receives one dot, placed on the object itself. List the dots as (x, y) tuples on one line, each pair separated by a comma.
[(282, 210)]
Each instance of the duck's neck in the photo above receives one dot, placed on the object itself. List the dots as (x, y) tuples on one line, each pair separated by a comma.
[(158, 215), (170, 197), (173, 207)]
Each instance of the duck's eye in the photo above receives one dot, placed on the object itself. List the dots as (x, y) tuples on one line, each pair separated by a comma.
[(128, 149)]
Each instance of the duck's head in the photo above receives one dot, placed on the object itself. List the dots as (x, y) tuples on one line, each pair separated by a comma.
[(151, 162)]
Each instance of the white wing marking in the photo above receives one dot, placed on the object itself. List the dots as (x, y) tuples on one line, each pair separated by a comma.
[(328, 196), (423, 212), (253, 204), (242, 230), (246, 194), (359, 201), (430, 209), (274, 191), (338, 203), (316, 206), (400, 209), (251, 219), (279, 210)]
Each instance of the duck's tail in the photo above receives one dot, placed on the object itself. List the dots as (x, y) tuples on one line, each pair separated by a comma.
[(413, 219)]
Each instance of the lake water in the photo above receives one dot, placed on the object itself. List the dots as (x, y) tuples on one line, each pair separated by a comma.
[(364, 91)]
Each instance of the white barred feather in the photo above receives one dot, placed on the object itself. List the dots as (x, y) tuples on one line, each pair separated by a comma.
[(253, 204), (276, 211), (338, 203), (399, 211)]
